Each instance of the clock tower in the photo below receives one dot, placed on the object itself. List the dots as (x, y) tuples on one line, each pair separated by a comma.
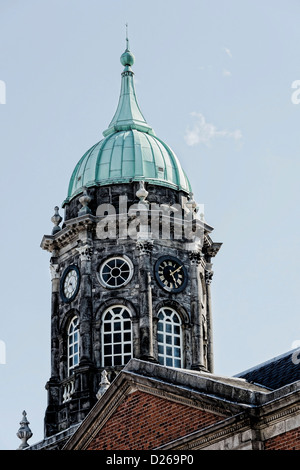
[(131, 265)]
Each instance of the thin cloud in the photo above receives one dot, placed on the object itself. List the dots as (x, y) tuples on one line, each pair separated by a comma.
[(228, 52), (226, 73), (203, 132)]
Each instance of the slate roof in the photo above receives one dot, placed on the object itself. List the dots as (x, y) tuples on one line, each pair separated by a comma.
[(275, 373)]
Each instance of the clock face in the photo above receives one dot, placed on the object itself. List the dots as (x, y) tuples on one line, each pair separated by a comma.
[(70, 283), (171, 274), (116, 272)]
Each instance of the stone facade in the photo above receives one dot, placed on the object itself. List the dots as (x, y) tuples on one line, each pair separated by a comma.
[(77, 245)]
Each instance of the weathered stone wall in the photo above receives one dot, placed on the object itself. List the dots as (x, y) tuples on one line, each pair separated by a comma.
[(78, 244)]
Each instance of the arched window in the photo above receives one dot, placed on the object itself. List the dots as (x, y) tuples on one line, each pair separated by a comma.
[(116, 336), (169, 338), (73, 345)]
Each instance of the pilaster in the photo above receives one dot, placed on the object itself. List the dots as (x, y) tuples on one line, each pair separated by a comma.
[(55, 277), (144, 250), (198, 360), (86, 305), (208, 279)]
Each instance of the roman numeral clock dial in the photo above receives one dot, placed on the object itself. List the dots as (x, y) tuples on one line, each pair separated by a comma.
[(170, 274), (69, 284)]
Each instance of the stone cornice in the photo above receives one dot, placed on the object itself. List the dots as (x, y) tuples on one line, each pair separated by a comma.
[(55, 440), (71, 229), (183, 396), (277, 416), (280, 414)]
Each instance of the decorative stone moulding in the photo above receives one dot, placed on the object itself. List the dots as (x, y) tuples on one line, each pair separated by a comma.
[(142, 193), (24, 432), (69, 389), (84, 200), (104, 384), (56, 219), (85, 252)]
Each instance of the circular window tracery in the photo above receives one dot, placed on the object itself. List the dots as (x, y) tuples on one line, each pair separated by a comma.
[(116, 272)]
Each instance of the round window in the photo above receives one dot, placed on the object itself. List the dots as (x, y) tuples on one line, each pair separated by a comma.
[(116, 272)]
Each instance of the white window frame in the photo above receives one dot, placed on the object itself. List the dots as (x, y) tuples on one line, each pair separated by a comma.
[(73, 344), (169, 338), (111, 263), (116, 336)]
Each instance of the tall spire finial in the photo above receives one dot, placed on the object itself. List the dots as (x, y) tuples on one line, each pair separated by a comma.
[(128, 114), (127, 40), (127, 58)]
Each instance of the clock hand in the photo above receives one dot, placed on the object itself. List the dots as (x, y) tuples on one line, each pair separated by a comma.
[(176, 270)]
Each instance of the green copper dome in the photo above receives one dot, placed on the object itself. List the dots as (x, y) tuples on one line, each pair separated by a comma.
[(130, 150)]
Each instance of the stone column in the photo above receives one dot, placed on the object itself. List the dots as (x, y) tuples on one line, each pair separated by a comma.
[(85, 304), (144, 248), (196, 314), (53, 385), (149, 292), (55, 277), (210, 250), (210, 357)]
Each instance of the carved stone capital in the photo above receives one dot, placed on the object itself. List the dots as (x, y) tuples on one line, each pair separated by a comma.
[(145, 247), (85, 252), (208, 277), (195, 257), (54, 271)]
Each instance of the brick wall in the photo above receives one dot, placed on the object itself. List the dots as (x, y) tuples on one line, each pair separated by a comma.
[(144, 421), (287, 441)]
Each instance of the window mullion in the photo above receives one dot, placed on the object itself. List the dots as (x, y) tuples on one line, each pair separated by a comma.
[(168, 343), (118, 354)]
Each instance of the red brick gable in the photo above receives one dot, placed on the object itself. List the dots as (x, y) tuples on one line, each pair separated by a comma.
[(143, 422)]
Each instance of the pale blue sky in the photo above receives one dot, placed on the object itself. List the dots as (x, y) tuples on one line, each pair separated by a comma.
[(214, 79)]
